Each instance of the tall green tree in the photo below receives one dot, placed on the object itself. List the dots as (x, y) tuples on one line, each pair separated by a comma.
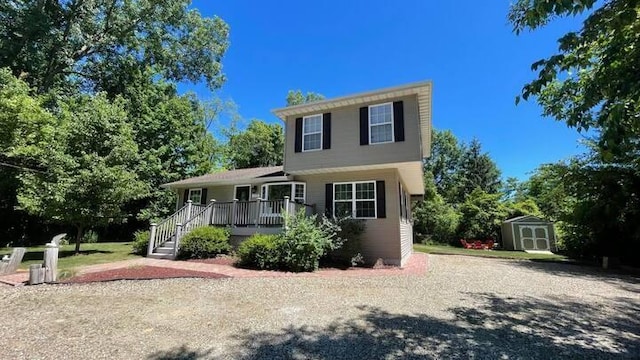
[(174, 143), (260, 145), (444, 163), (91, 44), (477, 171), (89, 173), (296, 97), (27, 130), (593, 82)]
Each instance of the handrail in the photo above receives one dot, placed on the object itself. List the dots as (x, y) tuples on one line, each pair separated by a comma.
[(172, 215)]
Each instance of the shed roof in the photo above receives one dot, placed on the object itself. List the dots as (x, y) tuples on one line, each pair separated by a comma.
[(527, 218), (229, 177)]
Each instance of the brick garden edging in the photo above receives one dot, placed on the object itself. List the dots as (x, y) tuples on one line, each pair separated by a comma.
[(415, 266)]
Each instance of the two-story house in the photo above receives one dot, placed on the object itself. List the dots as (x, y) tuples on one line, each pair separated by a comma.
[(358, 155)]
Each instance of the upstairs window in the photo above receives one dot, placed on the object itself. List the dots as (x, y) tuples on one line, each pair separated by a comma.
[(381, 123), (312, 133)]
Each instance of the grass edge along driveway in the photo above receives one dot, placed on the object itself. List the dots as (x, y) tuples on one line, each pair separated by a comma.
[(90, 254), (502, 254)]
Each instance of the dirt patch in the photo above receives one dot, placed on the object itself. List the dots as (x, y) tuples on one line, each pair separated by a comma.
[(141, 273)]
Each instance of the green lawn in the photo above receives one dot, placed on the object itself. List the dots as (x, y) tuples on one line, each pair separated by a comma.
[(90, 254), (450, 250)]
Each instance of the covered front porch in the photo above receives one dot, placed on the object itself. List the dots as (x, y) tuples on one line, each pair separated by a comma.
[(243, 218)]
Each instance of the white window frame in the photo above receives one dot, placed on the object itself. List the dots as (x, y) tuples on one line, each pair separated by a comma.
[(265, 190), (353, 199), (235, 190), (194, 190), (304, 120), (393, 135)]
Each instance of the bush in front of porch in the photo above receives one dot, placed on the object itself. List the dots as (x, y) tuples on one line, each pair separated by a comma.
[(306, 240), (204, 242)]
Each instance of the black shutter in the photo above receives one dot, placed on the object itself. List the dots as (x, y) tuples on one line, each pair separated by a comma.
[(380, 200), (398, 121), (203, 199), (328, 200), (326, 131), (184, 196), (364, 126), (298, 140)]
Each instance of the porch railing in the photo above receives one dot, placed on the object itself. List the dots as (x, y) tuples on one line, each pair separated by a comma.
[(267, 213), (255, 213)]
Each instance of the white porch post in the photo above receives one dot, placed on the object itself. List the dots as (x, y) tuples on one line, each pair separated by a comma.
[(258, 212), (178, 235), (188, 213), (213, 210), (233, 212), (286, 211), (152, 238)]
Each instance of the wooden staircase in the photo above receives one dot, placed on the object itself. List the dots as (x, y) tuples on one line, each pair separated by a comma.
[(164, 240)]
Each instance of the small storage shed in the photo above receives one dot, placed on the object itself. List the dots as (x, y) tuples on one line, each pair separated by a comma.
[(528, 233)]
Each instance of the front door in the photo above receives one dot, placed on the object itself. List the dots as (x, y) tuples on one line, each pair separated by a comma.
[(243, 192)]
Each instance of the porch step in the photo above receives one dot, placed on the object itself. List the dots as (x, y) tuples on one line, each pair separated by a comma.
[(160, 256), (164, 250)]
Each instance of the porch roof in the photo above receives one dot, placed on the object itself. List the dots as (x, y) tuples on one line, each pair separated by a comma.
[(271, 173)]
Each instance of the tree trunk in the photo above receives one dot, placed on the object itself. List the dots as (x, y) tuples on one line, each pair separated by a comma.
[(79, 238)]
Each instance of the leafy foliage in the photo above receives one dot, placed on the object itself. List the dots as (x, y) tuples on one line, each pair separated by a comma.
[(453, 172), (261, 144), (84, 44), (260, 251), (140, 244), (592, 83), (481, 215), (89, 176), (296, 97), (90, 237), (173, 141), (204, 242), (350, 234), (305, 240)]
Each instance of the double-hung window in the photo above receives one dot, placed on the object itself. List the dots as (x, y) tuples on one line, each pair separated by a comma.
[(195, 195), (356, 199), (381, 123), (312, 132)]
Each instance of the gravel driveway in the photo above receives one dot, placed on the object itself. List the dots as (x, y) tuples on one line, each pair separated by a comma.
[(463, 308)]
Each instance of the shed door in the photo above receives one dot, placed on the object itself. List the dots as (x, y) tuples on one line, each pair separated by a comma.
[(534, 237)]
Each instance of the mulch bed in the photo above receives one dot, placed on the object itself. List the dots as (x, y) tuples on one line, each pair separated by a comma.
[(141, 273)]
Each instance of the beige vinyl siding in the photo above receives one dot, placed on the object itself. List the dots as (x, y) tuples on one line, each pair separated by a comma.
[(220, 193), (406, 241), (382, 236), (406, 230), (345, 141)]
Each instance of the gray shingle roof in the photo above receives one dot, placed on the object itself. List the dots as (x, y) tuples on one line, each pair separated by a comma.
[(229, 176)]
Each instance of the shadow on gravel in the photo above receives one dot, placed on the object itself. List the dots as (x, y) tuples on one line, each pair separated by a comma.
[(626, 281), (181, 353), (490, 328)]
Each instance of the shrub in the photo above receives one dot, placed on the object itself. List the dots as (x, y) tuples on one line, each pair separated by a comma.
[(350, 233), (305, 240), (90, 237), (260, 251), (204, 242), (140, 243)]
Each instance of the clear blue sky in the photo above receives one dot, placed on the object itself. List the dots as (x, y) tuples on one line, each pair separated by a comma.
[(477, 65)]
